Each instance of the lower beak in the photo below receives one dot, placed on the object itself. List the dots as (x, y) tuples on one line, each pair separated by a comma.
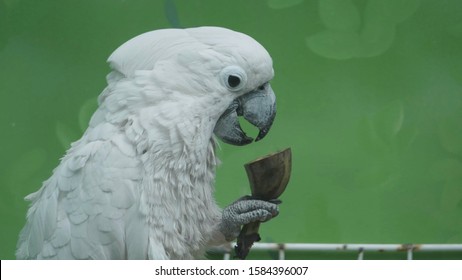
[(257, 107)]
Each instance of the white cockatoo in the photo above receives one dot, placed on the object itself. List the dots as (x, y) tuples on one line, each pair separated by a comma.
[(139, 184)]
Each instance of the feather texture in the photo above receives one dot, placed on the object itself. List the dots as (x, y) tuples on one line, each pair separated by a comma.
[(139, 183)]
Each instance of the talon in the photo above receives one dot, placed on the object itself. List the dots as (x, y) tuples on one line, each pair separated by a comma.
[(244, 211)]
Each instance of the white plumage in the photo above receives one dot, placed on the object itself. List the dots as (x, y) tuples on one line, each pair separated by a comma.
[(139, 183)]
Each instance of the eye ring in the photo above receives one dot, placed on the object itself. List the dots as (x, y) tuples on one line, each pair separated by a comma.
[(233, 78)]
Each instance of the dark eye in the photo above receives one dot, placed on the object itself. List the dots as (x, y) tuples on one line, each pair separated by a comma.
[(233, 78), (234, 81)]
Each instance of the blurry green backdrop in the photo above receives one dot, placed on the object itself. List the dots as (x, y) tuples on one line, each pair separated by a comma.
[(369, 98)]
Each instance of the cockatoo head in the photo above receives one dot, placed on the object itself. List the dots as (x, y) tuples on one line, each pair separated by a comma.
[(209, 72)]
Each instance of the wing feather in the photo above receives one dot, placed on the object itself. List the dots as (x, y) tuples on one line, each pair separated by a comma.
[(83, 210)]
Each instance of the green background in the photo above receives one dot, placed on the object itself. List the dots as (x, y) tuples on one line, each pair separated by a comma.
[(369, 99)]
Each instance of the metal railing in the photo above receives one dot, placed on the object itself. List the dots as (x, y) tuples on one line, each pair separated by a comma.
[(361, 249)]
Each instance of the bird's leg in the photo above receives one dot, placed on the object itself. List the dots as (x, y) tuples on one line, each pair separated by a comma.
[(244, 211)]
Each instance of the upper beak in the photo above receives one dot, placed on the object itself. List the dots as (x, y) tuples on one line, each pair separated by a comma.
[(258, 107)]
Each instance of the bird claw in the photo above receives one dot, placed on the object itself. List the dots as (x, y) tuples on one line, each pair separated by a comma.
[(244, 211)]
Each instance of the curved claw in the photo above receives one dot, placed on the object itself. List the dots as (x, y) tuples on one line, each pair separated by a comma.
[(258, 107)]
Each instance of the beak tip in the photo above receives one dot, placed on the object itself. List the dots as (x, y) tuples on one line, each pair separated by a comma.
[(261, 134)]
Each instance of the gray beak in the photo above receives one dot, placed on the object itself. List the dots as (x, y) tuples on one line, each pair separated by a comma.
[(258, 107)]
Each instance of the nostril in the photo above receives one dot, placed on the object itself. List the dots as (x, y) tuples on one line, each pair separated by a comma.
[(262, 87)]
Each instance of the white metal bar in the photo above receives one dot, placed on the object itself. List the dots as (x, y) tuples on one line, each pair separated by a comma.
[(438, 247), (361, 254), (355, 247), (409, 249), (282, 253)]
